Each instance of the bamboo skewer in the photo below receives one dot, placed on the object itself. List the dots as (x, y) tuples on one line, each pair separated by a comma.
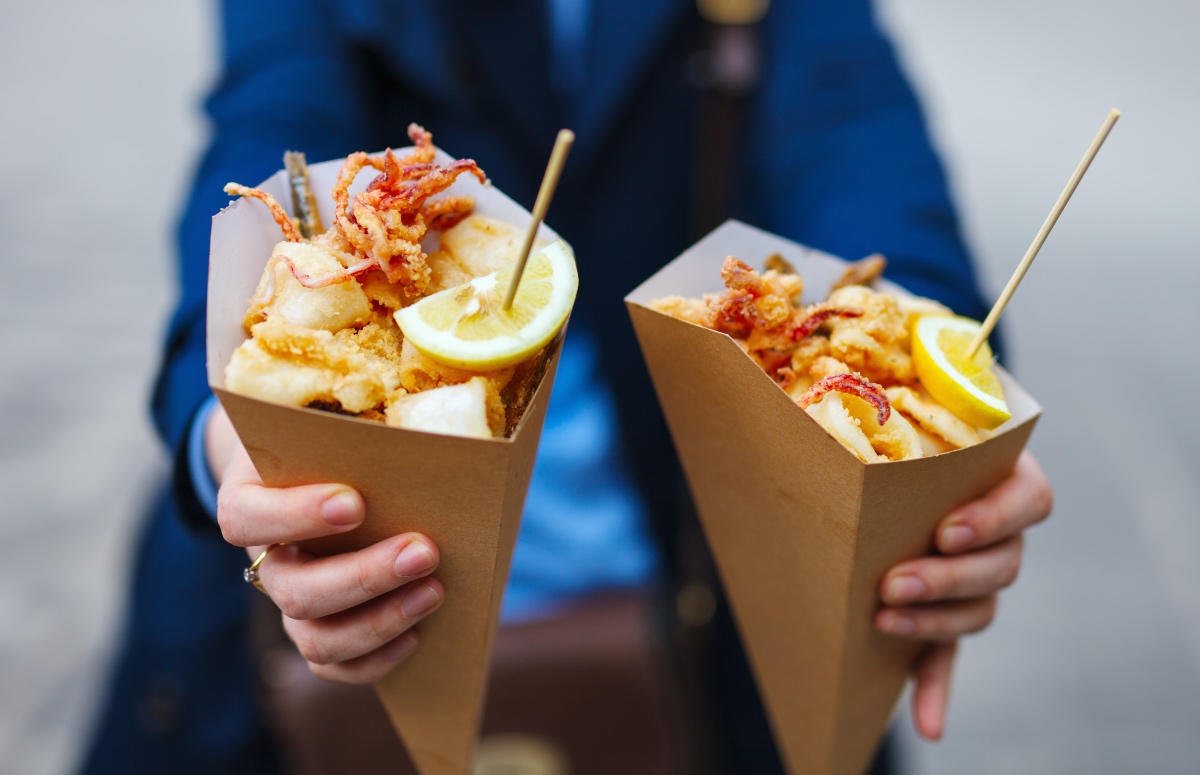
[(558, 158), (1044, 232)]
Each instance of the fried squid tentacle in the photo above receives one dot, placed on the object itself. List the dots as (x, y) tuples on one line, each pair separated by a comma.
[(818, 317), (383, 225), (854, 385), (290, 233), (447, 212)]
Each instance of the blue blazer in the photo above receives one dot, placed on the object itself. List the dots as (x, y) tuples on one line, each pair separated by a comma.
[(836, 155)]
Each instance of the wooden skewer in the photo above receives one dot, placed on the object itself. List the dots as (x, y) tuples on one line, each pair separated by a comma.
[(1051, 219), (558, 158)]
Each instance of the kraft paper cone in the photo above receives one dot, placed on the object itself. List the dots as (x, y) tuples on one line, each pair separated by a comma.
[(801, 530), (466, 494)]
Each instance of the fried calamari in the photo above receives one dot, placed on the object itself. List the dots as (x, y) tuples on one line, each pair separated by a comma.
[(846, 361), (321, 325)]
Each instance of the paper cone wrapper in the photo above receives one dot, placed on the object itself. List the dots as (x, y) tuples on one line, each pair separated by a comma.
[(801, 530), (466, 494)]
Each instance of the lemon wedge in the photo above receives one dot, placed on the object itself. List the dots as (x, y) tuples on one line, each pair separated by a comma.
[(967, 387), (466, 326)]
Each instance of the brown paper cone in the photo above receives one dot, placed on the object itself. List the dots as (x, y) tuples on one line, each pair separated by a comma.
[(801, 530), (465, 494)]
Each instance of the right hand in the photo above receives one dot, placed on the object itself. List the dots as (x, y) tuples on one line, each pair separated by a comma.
[(350, 615)]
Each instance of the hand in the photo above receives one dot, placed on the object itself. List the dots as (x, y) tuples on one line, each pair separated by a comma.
[(943, 596), (350, 615)]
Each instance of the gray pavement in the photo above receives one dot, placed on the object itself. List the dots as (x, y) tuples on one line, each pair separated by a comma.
[(1094, 663)]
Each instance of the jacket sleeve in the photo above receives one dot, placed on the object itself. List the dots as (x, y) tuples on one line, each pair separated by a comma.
[(288, 80), (840, 158)]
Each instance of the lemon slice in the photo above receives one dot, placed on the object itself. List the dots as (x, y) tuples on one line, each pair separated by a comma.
[(466, 326), (968, 388)]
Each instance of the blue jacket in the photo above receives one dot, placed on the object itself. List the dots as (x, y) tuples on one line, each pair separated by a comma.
[(836, 156)]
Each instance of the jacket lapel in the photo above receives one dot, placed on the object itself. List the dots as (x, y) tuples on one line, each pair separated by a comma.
[(492, 57), (622, 35)]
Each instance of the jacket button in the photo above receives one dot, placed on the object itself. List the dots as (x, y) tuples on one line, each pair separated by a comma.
[(161, 704)]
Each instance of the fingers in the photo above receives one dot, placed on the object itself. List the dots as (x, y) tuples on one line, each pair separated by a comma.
[(305, 587), (979, 573), (360, 631), (253, 515), (940, 622), (932, 692), (1024, 499), (372, 667)]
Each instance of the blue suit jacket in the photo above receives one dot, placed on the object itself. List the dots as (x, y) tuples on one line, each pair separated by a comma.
[(836, 156)]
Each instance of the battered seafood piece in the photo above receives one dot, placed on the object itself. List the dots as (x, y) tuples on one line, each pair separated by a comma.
[(321, 325), (472, 408), (846, 361), (289, 364)]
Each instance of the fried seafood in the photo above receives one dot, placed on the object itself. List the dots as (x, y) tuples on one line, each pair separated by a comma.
[(876, 342), (472, 408), (321, 325), (932, 417), (289, 364), (850, 384), (382, 226), (864, 271), (847, 361)]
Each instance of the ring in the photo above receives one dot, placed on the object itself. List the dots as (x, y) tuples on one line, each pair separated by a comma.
[(251, 573)]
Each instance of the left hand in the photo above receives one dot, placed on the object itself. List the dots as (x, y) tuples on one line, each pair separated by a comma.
[(952, 593)]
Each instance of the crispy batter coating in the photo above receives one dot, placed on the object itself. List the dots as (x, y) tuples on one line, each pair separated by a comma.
[(877, 343), (336, 346), (472, 408), (293, 365), (864, 271), (482, 245), (382, 226), (932, 417), (751, 301), (834, 358), (691, 310), (854, 423), (281, 295), (851, 384), (290, 232)]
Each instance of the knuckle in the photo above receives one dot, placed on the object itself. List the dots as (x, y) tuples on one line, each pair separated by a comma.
[(1044, 500), (311, 648), (1011, 568), (368, 584), (232, 529), (380, 631), (950, 581), (987, 614), (292, 604)]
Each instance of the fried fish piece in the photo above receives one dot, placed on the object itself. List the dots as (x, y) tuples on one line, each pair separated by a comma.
[(864, 271), (877, 343), (691, 310), (296, 366), (932, 417), (329, 308), (472, 408)]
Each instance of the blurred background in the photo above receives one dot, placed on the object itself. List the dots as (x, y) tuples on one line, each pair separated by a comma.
[(1094, 663)]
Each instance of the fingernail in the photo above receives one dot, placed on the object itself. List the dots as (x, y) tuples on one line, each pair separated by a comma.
[(342, 509), (957, 537), (401, 647), (905, 589), (414, 559), (419, 601)]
